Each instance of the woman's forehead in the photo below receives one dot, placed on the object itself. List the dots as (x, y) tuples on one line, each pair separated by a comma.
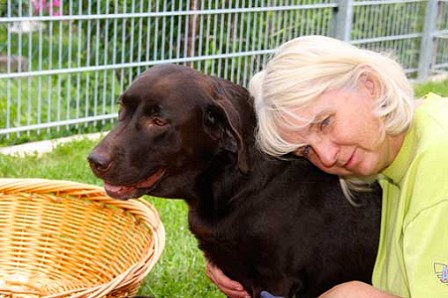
[(307, 115), (294, 127), (297, 122)]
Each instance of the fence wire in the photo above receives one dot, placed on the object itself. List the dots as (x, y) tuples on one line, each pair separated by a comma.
[(64, 63)]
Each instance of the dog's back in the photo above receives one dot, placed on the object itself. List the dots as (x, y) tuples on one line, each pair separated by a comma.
[(290, 230)]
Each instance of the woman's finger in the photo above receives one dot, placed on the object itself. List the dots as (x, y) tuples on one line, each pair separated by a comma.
[(229, 287)]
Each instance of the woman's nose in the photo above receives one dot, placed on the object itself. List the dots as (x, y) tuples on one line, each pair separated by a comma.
[(327, 152)]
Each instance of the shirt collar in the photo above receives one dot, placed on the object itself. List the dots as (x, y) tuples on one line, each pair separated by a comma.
[(398, 168)]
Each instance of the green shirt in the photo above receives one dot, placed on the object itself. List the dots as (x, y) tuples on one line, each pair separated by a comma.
[(412, 256)]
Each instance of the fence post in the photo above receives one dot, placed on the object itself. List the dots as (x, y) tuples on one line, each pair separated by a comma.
[(193, 30), (427, 45), (342, 20)]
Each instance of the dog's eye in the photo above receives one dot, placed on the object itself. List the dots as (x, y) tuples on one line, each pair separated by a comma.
[(158, 121)]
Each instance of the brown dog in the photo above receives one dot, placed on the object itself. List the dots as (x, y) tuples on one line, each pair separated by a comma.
[(276, 225)]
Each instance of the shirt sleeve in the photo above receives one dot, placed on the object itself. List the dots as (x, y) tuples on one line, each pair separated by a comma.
[(425, 244)]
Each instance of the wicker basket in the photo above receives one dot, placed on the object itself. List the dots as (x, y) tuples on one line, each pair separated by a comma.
[(66, 239)]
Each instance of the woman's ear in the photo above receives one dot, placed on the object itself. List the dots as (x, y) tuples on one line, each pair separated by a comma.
[(371, 84)]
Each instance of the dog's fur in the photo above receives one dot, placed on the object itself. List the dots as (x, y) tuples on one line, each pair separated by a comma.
[(276, 225)]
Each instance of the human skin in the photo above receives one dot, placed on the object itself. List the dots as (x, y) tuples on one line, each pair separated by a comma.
[(355, 289), (230, 288), (346, 137)]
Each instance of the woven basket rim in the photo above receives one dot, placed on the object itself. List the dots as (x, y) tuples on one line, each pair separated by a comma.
[(140, 208)]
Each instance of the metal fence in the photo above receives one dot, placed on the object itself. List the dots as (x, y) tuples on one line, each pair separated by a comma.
[(63, 63)]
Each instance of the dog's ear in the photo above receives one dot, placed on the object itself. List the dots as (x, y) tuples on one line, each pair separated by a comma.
[(223, 123)]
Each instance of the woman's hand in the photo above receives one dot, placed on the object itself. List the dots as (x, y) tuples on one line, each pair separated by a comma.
[(231, 288), (355, 289)]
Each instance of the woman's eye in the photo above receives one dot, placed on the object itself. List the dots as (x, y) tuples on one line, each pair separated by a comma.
[(305, 150), (324, 123)]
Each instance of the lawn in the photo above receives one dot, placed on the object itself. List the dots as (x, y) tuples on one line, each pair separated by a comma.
[(439, 87), (180, 271)]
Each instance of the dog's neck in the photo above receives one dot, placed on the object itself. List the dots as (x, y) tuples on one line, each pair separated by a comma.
[(223, 187)]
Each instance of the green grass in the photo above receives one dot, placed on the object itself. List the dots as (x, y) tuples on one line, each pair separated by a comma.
[(440, 88), (179, 272)]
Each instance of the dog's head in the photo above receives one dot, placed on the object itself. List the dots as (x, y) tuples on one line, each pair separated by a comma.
[(173, 121)]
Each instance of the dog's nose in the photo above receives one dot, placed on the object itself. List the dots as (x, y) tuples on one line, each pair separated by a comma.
[(99, 162)]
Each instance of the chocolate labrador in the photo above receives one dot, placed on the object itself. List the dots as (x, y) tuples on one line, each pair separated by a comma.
[(279, 225)]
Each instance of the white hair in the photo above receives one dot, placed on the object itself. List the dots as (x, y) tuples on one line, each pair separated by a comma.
[(304, 68)]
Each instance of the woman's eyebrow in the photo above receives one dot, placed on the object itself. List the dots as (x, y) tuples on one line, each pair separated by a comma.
[(318, 118)]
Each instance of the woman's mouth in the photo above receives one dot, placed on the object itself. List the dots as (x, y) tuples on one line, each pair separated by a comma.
[(350, 160)]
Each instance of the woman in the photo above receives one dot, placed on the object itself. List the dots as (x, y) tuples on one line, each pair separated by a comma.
[(351, 112)]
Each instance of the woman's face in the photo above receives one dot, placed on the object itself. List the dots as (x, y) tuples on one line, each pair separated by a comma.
[(346, 136)]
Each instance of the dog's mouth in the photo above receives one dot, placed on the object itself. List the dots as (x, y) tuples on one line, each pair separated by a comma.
[(124, 192)]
